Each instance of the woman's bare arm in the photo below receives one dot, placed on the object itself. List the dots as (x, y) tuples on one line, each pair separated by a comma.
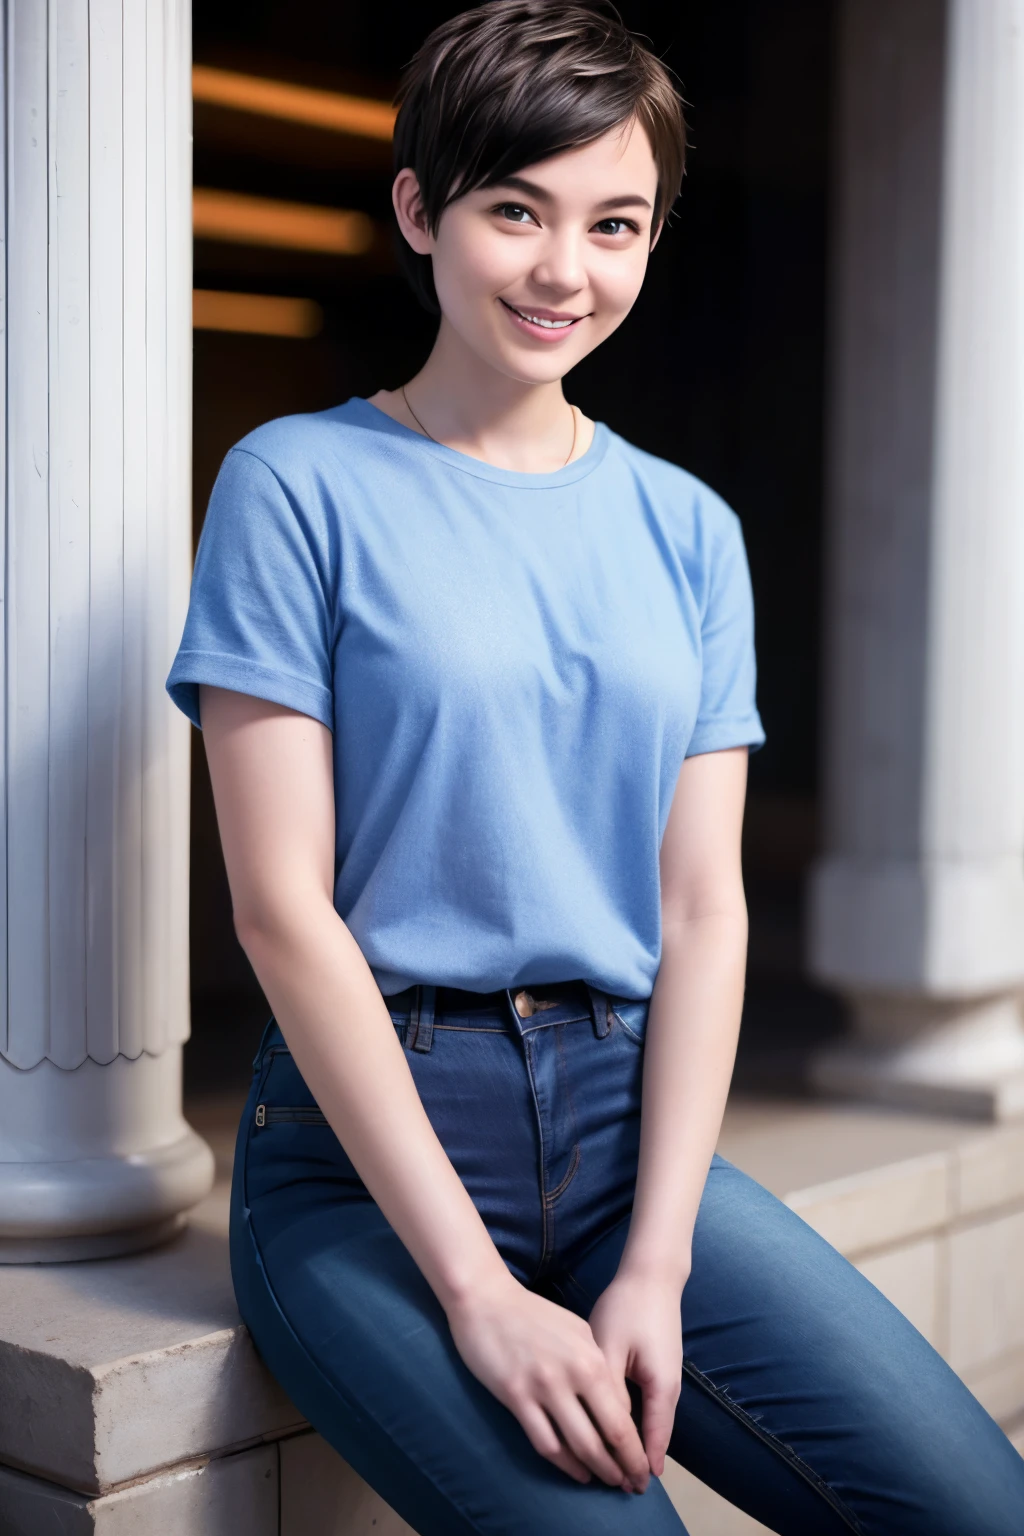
[(695, 1009), (692, 1030), (271, 770)]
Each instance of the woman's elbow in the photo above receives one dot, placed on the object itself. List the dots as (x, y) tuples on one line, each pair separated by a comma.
[(722, 920), (263, 926)]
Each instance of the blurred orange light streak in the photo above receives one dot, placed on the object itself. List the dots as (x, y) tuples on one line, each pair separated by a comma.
[(356, 115), (257, 314), (244, 220)]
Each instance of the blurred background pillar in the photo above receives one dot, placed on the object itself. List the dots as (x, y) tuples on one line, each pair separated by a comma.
[(95, 1157), (917, 907)]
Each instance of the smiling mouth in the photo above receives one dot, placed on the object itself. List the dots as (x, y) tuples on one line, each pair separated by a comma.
[(541, 320)]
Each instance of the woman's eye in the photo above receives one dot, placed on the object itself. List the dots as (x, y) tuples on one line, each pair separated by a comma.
[(614, 226), (514, 213)]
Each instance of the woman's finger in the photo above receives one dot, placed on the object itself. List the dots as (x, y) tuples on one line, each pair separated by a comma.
[(659, 1411), (580, 1434), (611, 1414), (544, 1438)]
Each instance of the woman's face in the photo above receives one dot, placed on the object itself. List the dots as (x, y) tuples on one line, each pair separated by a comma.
[(534, 273)]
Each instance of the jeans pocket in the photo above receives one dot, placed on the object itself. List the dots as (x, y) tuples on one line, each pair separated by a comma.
[(290, 1142), (632, 1019), (288, 1114)]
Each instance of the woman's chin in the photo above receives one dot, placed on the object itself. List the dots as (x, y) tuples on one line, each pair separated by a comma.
[(529, 367)]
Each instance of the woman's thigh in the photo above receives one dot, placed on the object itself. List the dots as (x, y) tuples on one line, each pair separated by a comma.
[(344, 1319), (808, 1399), (347, 1324)]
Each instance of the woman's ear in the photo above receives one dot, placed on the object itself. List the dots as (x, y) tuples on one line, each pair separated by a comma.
[(410, 212)]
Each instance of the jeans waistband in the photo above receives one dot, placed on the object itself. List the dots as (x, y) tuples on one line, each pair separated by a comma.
[(421, 1002), (461, 1000)]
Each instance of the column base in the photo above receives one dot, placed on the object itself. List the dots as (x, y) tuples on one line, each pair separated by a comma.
[(963, 1058), (97, 1245), (96, 1161)]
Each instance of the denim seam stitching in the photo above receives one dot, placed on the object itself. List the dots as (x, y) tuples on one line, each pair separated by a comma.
[(631, 1034), (788, 1454), (472, 1029), (581, 1288), (574, 1162), (546, 1215), (561, 1188), (564, 1076), (531, 1029), (780, 1447)]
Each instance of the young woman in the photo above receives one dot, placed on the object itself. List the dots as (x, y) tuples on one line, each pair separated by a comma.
[(476, 680)]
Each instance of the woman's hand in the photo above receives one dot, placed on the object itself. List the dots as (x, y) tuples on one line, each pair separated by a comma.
[(543, 1363), (636, 1322)]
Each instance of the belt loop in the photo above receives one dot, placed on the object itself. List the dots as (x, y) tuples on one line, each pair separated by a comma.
[(423, 1023), (414, 1016), (513, 1011), (601, 1009)]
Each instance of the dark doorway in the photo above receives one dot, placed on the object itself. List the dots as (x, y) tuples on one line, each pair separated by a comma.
[(719, 368)]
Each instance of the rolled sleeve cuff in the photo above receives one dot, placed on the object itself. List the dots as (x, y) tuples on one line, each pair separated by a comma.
[(241, 676), (733, 731)]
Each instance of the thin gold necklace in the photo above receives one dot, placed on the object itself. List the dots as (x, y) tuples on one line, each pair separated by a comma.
[(433, 439)]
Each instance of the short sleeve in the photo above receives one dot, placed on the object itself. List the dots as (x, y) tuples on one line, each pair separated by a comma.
[(728, 714), (260, 611)]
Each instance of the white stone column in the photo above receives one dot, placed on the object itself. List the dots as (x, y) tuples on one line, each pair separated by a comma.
[(917, 907), (95, 1157)]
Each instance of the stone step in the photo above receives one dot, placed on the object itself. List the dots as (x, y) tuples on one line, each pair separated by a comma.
[(296, 1486), (223, 1496), (113, 1369), (130, 1389)]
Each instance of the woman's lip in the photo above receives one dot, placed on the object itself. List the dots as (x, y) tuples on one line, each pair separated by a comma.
[(541, 332)]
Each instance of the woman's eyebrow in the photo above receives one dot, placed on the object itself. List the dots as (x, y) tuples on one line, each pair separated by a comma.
[(527, 188), (627, 200), (540, 195)]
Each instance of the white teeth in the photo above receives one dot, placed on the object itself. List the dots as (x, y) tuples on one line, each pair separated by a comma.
[(549, 325)]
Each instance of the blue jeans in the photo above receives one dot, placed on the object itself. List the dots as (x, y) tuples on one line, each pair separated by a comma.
[(807, 1399)]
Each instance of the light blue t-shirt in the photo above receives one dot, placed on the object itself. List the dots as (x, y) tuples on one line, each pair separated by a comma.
[(513, 666)]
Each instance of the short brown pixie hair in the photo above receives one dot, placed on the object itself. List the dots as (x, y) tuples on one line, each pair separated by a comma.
[(514, 82)]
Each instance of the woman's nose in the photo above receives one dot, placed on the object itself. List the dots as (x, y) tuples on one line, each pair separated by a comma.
[(560, 267)]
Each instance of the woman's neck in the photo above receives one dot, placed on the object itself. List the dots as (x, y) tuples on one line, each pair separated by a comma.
[(459, 400)]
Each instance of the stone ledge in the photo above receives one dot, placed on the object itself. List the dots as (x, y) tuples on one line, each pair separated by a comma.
[(296, 1487), (873, 1210), (110, 1369), (222, 1497), (989, 1171), (114, 1370), (870, 1178)]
